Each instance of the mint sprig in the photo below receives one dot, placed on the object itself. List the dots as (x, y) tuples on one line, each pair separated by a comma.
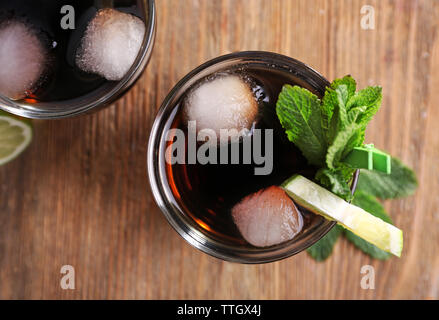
[(326, 131)]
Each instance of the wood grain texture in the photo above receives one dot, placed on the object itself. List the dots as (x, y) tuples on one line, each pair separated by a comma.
[(80, 196)]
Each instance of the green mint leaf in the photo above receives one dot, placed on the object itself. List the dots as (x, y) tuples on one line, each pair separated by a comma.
[(355, 113), (326, 132), (334, 181), (345, 141), (401, 182), (322, 249), (334, 103), (370, 100), (300, 114), (371, 205), (349, 82)]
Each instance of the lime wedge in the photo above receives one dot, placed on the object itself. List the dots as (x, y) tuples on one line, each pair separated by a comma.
[(321, 201), (15, 136)]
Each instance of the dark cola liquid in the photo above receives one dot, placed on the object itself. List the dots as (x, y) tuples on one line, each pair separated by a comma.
[(208, 192), (62, 79)]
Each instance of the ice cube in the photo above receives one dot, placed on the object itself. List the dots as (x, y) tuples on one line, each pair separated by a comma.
[(23, 59), (224, 102), (110, 44), (267, 217)]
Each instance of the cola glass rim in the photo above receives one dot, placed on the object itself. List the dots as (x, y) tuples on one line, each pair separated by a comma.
[(87, 104), (183, 224)]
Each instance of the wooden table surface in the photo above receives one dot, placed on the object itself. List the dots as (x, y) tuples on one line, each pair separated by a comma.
[(79, 195)]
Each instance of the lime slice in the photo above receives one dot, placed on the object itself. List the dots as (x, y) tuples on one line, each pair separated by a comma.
[(15, 136), (321, 201)]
